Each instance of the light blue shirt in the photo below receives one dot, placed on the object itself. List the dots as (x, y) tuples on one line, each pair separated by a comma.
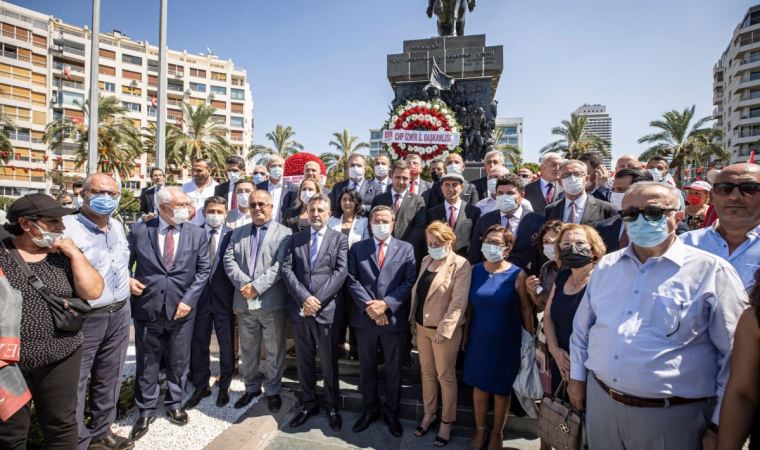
[(659, 329), (107, 252), (745, 259)]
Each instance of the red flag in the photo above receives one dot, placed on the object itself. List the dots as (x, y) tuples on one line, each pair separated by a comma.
[(67, 72), (751, 159), (154, 102)]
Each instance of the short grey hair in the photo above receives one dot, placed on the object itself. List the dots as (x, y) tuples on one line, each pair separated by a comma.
[(167, 194), (494, 153), (548, 155), (354, 156), (568, 162), (380, 208), (320, 198), (644, 185), (272, 158)]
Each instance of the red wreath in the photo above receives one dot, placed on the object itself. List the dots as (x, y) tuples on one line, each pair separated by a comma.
[(434, 110), (294, 164)]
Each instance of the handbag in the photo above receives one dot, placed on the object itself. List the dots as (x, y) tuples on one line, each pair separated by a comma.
[(560, 425), (527, 385), (68, 313)]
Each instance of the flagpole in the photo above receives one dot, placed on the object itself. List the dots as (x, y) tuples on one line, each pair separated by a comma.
[(162, 74), (92, 139)]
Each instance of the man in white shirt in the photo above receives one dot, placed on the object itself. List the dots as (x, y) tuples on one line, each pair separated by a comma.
[(200, 188), (382, 171), (577, 207), (242, 215)]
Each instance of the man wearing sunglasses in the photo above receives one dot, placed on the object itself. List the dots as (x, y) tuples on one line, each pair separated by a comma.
[(651, 338), (735, 237)]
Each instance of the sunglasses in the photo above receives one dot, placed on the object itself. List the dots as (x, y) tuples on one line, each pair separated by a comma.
[(260, 205), (746, 188), (651, 213)]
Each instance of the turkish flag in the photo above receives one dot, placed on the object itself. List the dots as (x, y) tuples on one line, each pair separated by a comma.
[(751, 159)]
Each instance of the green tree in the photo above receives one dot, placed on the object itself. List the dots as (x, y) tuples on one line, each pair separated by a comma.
[(511, 152), (683, 140), (6, 148), (575, 140), (346, 145), (282, 143), (205, 137), (119, 141)]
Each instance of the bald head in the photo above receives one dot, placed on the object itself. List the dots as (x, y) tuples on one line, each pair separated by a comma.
[(745, 170), (647, 193), (627, 162), (98, 180)]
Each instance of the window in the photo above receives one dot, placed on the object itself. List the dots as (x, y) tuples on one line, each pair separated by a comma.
[(131, 90), (219, 104), (236, 135), (131, 59), (237, 94), (106, 86), (218, 76), (237, 122), (220, 90), (128, 74), (132, 185), (107, 54), (200, 87), (237, 108), (153, 65), (105, 70), (71, 99), (152, 112), (754, 76), (132, 106), (200, 73)]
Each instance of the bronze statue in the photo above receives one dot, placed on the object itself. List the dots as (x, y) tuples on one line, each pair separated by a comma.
[(450, 15)]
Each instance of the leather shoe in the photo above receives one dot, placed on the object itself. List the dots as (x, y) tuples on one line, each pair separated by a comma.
[(303, 416), (394, 425), (198, 395), (141, 427), (246, 399), (335, 420), (274, 402), (364, 421), (222, 398), (177, 416), (112, 442)]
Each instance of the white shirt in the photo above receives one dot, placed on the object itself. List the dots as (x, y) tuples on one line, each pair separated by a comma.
[(163, 228), (580, 205), (358, 228), (385, 246), (320, 238), (383, 183), (514, 221), (208, 229), (393, 197), (236, 219), (198, 197), (458, 206), (545, 187), (275, 190)]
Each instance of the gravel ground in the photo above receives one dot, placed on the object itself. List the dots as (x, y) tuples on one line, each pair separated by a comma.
[(206, 421)]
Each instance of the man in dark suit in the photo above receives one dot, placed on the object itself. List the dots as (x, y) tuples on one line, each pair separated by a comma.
[(214, 311), (235, 168), (278, 188), (612, 230), (492, 159), (511, 214), (454, 211), (408, 208), (381, 273), (148, 203), (313, 272), (171, 268), (577, 206), (382, 180), (454, 164), (598, 176), (366, 189), (547, 188), (416, 184)]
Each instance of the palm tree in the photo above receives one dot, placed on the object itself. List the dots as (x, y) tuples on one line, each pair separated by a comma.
[(119, 141), (576, 140), (282, 143), (345, 144), (6, 148), (149, 144), (205, 137), (681, 141), (511, 152)]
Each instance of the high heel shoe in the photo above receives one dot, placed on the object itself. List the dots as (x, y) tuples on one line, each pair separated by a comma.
[(485, 441), (419, 431), (439, 441)]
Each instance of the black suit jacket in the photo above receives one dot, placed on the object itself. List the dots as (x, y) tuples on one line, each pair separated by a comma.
[(594, 212), (219, 291), (223, 189), (287, 198), (525, 253), (148, 200), (466, 221), (602, 193), (535, 196), (367, 194), (609, 230), (410, 219), (481, 184), (434, 196)]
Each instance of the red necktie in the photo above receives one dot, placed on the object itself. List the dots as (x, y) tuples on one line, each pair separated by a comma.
[(452, 216), (233, 203), (411, 188), (397, 203), (380, 255), (169, 248), (549, 193)]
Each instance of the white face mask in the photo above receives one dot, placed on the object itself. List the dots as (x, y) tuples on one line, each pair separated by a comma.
[(180, 215), (275, 172), (381, 170), (306, 196), (355, 173), (492, 186), (616, 199), (259, 178), (381, 231), (215, 220), (47, 239), (492, 253), (573, 185), (550, 251), (454, 168), (233, 176), (656, 174), (438, 253), (506, 203), (242, 199)]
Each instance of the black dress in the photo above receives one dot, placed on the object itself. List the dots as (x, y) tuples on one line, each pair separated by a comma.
[(423, 287), (292, 219), (563, 312)]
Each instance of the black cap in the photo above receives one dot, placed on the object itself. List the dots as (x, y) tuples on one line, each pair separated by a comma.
[(37, 205)]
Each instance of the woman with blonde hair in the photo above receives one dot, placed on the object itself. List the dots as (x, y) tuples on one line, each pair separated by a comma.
[(439, 301), (296, 218)]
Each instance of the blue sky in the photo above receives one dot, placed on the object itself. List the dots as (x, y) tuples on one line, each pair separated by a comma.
[(320, 66)]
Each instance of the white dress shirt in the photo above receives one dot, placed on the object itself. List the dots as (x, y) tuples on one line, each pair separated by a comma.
[(207, 229), (275, 190), (383, 184), (545, 187), (163, 228), (458, 207), (359, 228), (514, 221), (659, 329), (198, 197), (580, 205)]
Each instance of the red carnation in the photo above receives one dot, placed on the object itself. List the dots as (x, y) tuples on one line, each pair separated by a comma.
[(294, 164)]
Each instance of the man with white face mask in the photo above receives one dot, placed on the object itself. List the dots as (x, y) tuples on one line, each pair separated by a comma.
[(454, 164), (488, 203), (241, 216), (576, 206), (235, 170), (170, 271), (356, 181), (277, 187), (382, 173), (612, 230)]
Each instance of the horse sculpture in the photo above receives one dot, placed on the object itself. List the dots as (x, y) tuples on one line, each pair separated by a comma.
[(450, 15)]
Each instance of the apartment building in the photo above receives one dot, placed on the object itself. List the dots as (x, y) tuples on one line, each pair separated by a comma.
[(598, 122), (44, 74), (512, 133)]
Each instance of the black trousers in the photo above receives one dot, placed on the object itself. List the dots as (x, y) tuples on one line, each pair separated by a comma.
[(54, 393), (312, 338), (343, 318), (394, 345), (200, 356)]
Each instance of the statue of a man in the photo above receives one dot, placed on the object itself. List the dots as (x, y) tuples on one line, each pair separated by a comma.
[(450, 15)]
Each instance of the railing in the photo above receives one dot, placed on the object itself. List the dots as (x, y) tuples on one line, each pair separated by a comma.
[(18, 37), (18, 98), (67, 83), (238, 82), (174, 88), (12, 55), (751, 59), (73, 50), (60, 66)]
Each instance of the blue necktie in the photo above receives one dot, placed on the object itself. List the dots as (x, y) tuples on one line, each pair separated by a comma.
[(314, 248)]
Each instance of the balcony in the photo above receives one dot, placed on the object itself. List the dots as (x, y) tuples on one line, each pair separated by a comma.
[(69, 84), (16, 56), (73, 69), (18, 37)]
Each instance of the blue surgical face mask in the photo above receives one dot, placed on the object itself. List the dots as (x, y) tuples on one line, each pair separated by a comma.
[(103, 204), (438, 253), (259, 178), (646, 233), (275, 172), (506, 203), (492, 253)]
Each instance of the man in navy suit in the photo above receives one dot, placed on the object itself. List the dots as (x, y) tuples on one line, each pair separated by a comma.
[(171, 265), (314, 270), (235, 169), (148, 204), (278, 188), (214, 310), (577, 206), (381, 273), (365, 188)]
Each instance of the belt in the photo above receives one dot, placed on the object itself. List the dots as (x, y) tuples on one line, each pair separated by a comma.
[(638, 402), (112, 308)]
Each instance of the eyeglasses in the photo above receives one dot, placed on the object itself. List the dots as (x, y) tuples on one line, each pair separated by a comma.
[(652, 213), (260, 173), (497, 243), (97, 192), (746, 188), (260, 205)]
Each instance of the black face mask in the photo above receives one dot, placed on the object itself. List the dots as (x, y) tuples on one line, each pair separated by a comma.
[(575, 257), (435, 176)]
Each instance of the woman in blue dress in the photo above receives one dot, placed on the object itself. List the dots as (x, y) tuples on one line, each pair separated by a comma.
[(499, 305)]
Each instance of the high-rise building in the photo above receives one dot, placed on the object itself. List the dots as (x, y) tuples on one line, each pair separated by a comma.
[(598, 122), (736, 89), (44, 75), (376, 145), (512, 133)]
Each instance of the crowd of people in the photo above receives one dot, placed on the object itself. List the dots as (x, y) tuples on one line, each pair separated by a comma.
[(633, 289)]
